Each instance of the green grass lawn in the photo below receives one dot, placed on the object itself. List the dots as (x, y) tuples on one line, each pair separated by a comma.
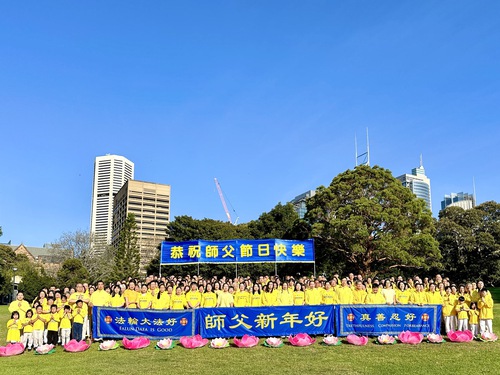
[(448, 358)]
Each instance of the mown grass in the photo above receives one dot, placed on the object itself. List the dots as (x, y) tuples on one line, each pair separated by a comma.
[(448, 358)]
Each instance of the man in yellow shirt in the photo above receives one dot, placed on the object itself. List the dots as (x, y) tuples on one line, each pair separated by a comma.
[(193, 297), (359, 294), (100, 297), (329, 296), (344, 293), (312, 294), (19, 305), (374, 297)]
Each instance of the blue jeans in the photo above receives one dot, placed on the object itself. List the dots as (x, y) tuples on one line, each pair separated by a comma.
[(77, 331)]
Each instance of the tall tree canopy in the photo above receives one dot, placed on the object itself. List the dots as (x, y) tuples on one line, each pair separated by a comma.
[(367, 221), (470, 242), (127, 255)]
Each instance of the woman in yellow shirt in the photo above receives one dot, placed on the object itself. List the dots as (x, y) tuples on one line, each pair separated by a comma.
[(131, 296), (117, 299), (145, 299), (298, 295), (285, 296), (270, 295), (256, 296), (209, 298), (178, 301), (162, 300), (403, 294)]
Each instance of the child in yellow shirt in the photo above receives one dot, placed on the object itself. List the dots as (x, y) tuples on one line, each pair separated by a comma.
[(65, 324), (473, 318), (79, 314), (14, 328), (27, 337), (53, 325), (462, 314), (38, 322)]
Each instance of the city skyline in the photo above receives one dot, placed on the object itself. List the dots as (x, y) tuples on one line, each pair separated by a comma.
[(195, 92)]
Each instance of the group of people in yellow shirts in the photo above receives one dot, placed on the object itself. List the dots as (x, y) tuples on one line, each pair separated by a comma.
[(56, 316)]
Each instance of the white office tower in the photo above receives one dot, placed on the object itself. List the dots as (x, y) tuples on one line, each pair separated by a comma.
[(110, 174)]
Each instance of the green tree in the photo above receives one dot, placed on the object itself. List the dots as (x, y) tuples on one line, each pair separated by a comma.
[(7, 264), (127, 255), (277, 223), (367, 222), (33, 280), (470, 242), (72, 272)]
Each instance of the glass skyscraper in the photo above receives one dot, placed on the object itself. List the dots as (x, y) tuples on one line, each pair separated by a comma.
[(419, 184)]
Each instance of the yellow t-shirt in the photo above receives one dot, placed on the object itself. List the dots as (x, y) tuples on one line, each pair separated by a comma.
[(194, 299), (117, 301), (27, 326), (65, 322), (473, 317), (100, 298), (329, 297), (270, 299), (161, 303), (178, 302), (256, 300), (345, 295), (38, 325), (403, 297), (358, 296), (144, 300), (79, 314), (298, 298), (225, 299), (209, 299), (285, 298), (53, 323), (241, 299), (132, 296)]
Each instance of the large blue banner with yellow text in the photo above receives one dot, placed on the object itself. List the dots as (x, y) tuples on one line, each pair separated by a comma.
[(265, 321), (375, 320), (237, 251), (118, 322)]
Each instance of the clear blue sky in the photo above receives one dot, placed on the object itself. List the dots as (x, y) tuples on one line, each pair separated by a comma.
[(264, 95)]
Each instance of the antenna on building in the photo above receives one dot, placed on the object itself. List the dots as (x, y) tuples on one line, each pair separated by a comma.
[(421, 161), (365, 156)]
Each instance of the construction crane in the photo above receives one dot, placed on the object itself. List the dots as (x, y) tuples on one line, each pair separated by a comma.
[(221, 196)]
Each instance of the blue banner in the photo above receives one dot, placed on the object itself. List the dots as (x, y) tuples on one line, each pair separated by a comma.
[(155, 324), (237, 251), (265, 321), (374, 320)]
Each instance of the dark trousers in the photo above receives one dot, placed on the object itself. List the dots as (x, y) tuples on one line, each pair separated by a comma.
[(52, 337), (77, 331)]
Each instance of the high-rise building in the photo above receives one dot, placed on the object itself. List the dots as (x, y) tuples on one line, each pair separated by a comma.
[(299, 202), (150, 204), (464, 200), (418, 183), (110, 173)]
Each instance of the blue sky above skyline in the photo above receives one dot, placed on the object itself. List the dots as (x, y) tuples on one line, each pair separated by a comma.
[(265, 96)]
